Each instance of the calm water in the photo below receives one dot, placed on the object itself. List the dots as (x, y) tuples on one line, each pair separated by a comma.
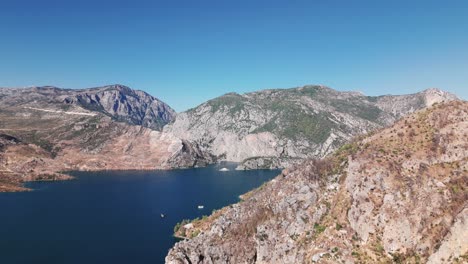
[(113, 217)]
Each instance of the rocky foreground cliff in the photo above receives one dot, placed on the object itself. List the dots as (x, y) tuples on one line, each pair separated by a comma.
[(278, 127), (399, 195), (47, 130)]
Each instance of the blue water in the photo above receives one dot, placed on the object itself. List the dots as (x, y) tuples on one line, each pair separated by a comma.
[(113, 217)]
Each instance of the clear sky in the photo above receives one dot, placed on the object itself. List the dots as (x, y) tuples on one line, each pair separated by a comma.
[(185, 52)]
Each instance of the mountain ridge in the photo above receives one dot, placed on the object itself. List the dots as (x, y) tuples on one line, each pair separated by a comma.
[(116, 127), (285, 125), (135, 107), (104, 128), (396, 195)]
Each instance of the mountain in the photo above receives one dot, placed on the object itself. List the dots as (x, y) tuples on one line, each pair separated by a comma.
[(46, 130), (115, 127), (275, 128), (116, 101), (399, 195)]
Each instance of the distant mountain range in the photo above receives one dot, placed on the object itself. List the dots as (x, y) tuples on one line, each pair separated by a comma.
[(275, 128), (46, 130)]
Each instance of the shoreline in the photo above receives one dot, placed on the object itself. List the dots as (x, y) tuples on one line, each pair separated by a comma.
[(63, 175)]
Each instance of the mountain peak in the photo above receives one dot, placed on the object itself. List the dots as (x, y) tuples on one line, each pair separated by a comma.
[(117, 101), (120, 87), (436, 95)]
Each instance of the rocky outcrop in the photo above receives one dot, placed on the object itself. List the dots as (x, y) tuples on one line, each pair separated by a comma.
[(287, 125), (398, 195), (255, 163), (125, 104)]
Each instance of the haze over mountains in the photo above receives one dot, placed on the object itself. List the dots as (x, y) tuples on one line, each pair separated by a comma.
[(46, 130)]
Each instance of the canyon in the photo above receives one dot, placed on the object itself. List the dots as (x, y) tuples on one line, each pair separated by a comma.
[(46, 131)]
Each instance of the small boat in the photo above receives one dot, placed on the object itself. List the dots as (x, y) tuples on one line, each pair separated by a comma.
[(162, 216), (201, 207), (224, 169)]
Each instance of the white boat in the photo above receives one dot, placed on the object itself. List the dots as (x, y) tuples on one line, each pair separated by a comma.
[(224, 169), (162, 216), (201, 207)]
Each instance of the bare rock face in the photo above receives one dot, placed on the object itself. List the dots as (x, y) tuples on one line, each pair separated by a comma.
[(289, 125), (125, 104), (115, 127), (117, 101), (398, 195), (46, 130), (255, 163)]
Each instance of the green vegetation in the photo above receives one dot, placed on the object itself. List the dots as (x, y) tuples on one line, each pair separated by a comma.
[(89, 125), (292, 122), (179, 229), (344, 151), (373, 99), (397, 257), (268, 127), (194, 233), (292, 119), (267, 161), (357, 108), (379, 248), (309, 91), (234, 101), (34, 138), (180, 224), (315, 128), (318, 228)]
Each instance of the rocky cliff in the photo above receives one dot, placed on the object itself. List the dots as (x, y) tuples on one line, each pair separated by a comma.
[(46, 130), (115, 127), (116, 101), (275, 128), (399, 195)]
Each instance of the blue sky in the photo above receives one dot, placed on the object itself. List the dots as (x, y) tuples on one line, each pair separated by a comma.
[(186, 52)]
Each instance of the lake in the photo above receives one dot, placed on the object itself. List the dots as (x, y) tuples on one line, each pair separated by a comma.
[(113, 216)]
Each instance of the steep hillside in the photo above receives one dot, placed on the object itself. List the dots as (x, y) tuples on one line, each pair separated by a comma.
[(93, 129), (274, 128), (399, 195), (16, 157), (117, 101)]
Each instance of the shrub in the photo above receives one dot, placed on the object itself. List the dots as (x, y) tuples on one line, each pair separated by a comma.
[(379, 248), (318, 228), (195, 233)]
